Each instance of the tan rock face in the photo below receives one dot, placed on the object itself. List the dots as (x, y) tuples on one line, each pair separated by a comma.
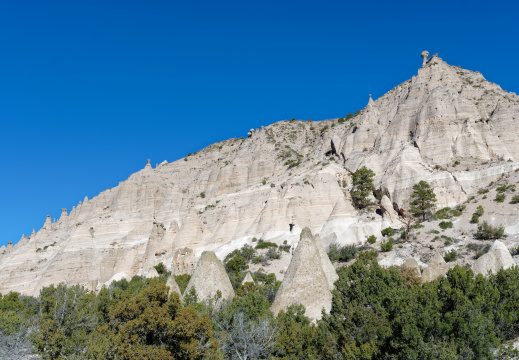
[(248, 278), (413, 266), (437, 268), (173, 286), (210, 277), (285, 173), (306, 281), (498, 257)]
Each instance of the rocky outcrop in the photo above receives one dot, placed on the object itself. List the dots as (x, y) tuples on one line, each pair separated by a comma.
[(248, 279), (210, 277), (437, 268), (306, 281), (286, 175), (498, 257), (413, 267), (173, 286)]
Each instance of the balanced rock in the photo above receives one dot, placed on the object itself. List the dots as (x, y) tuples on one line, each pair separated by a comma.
[(208, 277), (305, 280), (498, 257), (248, 279), (437, 268), (412, 266), (173, 286)]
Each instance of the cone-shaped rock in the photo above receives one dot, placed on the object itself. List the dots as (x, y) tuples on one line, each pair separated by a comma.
[(413, 266), (436, 269), (327, 265), (497, 258), (173, 286), (209, 276), (248, 278), (305, 281)]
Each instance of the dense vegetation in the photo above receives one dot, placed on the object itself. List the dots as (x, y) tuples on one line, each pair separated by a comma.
[(376, 313)]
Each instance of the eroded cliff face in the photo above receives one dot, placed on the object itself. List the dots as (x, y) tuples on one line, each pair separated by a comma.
[(286, 176)]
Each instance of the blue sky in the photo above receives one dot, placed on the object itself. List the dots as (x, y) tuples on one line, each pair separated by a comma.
[(91, 89)]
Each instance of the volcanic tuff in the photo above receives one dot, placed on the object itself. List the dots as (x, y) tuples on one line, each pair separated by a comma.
[(307, 281), (286, 176)]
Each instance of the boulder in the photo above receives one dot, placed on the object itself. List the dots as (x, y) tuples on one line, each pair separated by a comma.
[(498, 257), (248, 278), (208, 277), (436, 269), (413, 266), (173, 286), (305, 280)]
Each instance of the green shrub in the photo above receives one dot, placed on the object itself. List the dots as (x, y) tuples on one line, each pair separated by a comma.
[(515, 199), (202, 195), (342, 253), (386, 246), (480, 211), (445, 225), (500, 197), (372, 239), (443, 213), (488, 232), (448, 240), (483, 191), (285, 248), (434, 232), (451, 256), (265, 244), (387, 231), (161, 268), (475, 219)]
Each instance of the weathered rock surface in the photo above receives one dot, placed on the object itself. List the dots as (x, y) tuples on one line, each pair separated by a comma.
[(210, 277), (286, 173), (248, 278), (437, 268), (173, 286), (498, 257), (305, 281), (413, 267)]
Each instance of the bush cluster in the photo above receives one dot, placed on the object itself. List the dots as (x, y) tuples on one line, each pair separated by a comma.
[(489, 232), (338, 253)]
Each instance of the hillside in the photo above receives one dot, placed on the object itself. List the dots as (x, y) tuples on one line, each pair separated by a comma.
[(446, 125)]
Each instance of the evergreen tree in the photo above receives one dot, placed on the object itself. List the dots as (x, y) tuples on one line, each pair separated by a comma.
[(362, 186), (424, 199)]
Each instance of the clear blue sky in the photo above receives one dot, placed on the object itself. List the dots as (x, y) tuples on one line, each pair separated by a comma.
[(91, 89)]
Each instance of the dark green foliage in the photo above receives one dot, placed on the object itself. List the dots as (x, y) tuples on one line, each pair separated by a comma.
[(372, 239), (387, 232), (488, 232), (386, 245), (515, 199), (500, 197), (182, 281), (423, 199), (475, 219), (161, 268), (202, 195), (265, 244), (285, 248), (445, 225), (338, 253), (375, 315), (451, 256), (480, 249), (480, 211), (362, 180)]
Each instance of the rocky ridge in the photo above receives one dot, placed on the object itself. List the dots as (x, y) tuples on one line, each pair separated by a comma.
[(446, 125)]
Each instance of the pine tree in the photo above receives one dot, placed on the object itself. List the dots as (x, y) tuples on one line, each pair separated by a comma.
[(362, 186), (424, 199)]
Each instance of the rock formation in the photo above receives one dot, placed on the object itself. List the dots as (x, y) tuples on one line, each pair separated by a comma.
[(306, 281), (223, 196), (412, 266), (209, 277), (437, 268), (498, 257), (173, 286), (248, 278)]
